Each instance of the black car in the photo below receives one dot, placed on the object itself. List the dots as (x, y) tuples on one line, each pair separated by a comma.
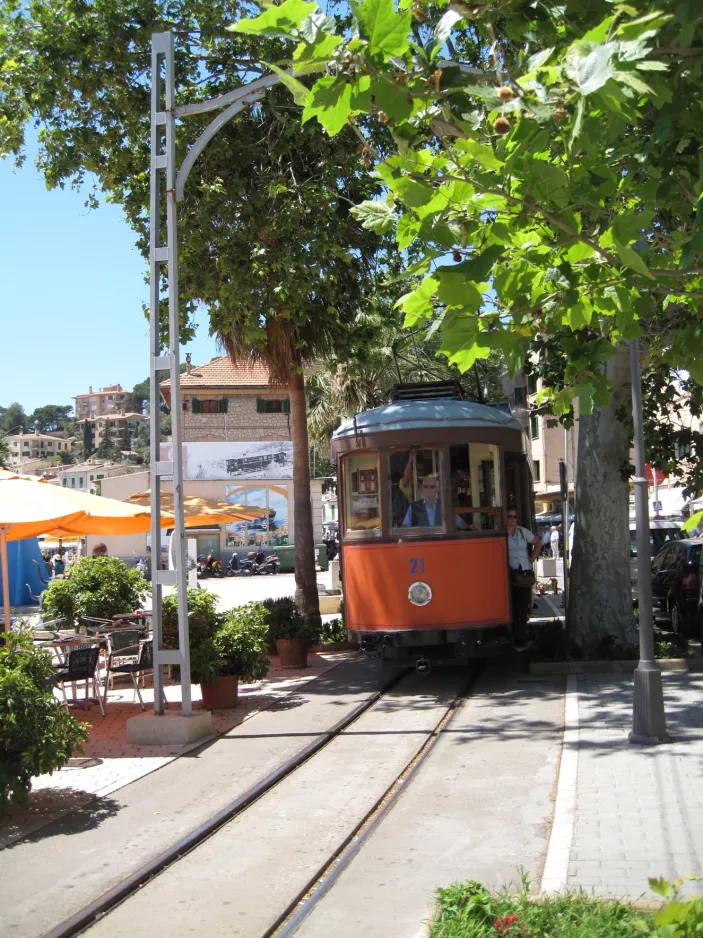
[(676, 578)]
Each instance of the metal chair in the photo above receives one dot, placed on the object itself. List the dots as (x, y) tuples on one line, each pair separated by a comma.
[(144, 663), (82, 666)]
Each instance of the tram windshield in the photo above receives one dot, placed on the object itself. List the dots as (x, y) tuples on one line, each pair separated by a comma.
[(416, 487), (361, 493), (475, 482)]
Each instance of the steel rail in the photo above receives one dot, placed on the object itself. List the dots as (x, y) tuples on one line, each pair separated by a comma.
[(319, 885), (104, 903)]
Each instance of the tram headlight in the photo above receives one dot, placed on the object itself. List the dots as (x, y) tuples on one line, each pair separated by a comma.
[(419, 594)]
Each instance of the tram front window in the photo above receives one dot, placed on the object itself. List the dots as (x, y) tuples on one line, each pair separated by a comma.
[(361, 493), (475, 482), (416, 483)]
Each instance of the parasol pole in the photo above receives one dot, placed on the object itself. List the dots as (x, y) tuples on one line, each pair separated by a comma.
[(5, 578)]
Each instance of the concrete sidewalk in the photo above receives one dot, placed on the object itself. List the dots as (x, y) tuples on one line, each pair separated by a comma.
[(633, 811)]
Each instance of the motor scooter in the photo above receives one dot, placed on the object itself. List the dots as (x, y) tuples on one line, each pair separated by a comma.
[(237, 567), (263, 563)]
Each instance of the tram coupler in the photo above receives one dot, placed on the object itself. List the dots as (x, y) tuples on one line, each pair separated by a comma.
[(423, 666)]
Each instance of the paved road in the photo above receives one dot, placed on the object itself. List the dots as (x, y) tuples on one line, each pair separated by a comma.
[(68, 863), (479, 808), (242, 878), (235, 591)]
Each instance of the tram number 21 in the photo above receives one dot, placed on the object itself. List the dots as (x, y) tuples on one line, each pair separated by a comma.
[(417, 565)]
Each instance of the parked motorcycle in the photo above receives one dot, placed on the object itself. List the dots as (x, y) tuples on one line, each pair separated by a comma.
[(332, 546), (237, 567), (209, 567), (263, 563)]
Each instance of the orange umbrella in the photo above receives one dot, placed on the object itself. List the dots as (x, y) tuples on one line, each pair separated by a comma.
[(199, 511)]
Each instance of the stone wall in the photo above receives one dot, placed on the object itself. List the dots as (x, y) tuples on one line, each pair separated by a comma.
[(241, 423)]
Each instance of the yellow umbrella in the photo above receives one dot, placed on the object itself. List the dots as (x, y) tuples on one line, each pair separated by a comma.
[(29, 508), (199, 511)]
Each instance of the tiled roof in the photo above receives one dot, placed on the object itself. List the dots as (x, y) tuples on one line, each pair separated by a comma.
[(221, 373)]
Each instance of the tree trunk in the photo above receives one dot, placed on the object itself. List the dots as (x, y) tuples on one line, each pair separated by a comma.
[(600, 612), (305, 575)]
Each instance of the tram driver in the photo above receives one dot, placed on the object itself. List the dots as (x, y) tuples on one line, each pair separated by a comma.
[(426, 512)]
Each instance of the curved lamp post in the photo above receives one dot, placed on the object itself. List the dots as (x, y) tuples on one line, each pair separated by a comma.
[(166, 178)]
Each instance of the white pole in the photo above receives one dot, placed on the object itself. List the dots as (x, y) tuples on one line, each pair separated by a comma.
[(5, 579)]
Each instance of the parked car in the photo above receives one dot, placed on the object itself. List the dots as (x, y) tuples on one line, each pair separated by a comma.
[(660, 533), (676, 580)]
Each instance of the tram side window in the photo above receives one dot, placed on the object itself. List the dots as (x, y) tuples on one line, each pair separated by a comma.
[(475, 481), (416, 483), (361, 492)]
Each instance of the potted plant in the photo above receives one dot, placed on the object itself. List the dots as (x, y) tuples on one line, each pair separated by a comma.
[(99, 587), (289, 631), (203, 623), (240, 654)]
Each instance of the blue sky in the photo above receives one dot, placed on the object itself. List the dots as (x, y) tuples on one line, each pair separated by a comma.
[(72, 293)]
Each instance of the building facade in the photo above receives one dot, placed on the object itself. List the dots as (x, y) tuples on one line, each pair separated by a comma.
[(119, 427), (237, 446), (88, 476), (113, 399), (37, 450)]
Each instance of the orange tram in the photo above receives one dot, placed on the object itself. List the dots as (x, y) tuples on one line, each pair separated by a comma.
[(424, 485)]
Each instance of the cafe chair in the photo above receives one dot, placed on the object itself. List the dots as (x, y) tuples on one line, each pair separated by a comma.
[(135, 668), (82, 665)]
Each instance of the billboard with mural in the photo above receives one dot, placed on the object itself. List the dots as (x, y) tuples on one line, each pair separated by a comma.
[(272, 528), (213, 462)]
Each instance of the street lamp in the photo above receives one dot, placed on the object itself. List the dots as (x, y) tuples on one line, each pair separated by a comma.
[(168, 179), (648, 718)]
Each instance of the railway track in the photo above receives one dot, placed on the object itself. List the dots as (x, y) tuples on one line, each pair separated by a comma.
[(375, 717)]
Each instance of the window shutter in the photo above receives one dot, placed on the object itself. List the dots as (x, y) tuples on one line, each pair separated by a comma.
[(286, 406), (196, 405), (223, 406), (260, 409)]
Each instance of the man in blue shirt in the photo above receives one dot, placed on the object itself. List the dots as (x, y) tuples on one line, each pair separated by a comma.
[(427, 511)]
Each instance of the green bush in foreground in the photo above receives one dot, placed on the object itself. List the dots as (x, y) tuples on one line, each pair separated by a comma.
[(469, 910), (37, 734)]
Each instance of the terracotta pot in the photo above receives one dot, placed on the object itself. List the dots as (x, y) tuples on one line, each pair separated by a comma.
[(221, 694), (293, 652)]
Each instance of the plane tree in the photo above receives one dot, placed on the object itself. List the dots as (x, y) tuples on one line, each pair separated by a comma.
[(546, 176)]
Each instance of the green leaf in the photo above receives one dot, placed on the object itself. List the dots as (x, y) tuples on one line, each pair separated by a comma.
[(690, 524), (395, 101), (418, 304), (276, 20), (592, 71), (330, 102), (551, 184), (632, 81), (376, 215), (478, 152), (632, 259), (299, 91), (579, 252), (538, 59), (662, 887), (386, 30), (455, 290), (629, 227), (463, 342), (311, 57), (407, 230), (599, 32)]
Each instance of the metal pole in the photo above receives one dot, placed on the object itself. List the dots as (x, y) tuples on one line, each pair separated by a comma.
[(648, 718), (163, 169), (5, 579), (564, 482)]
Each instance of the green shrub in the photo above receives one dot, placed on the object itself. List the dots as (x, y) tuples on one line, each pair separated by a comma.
[(287, 621), (37, 734), (331, 632), (203, 625), (469, 910), (97, 586), (241, 643)]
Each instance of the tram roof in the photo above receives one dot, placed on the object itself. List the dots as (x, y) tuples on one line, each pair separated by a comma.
[(416, 415)]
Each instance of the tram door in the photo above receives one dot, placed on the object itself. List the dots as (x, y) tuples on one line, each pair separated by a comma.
[(518, 488)]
